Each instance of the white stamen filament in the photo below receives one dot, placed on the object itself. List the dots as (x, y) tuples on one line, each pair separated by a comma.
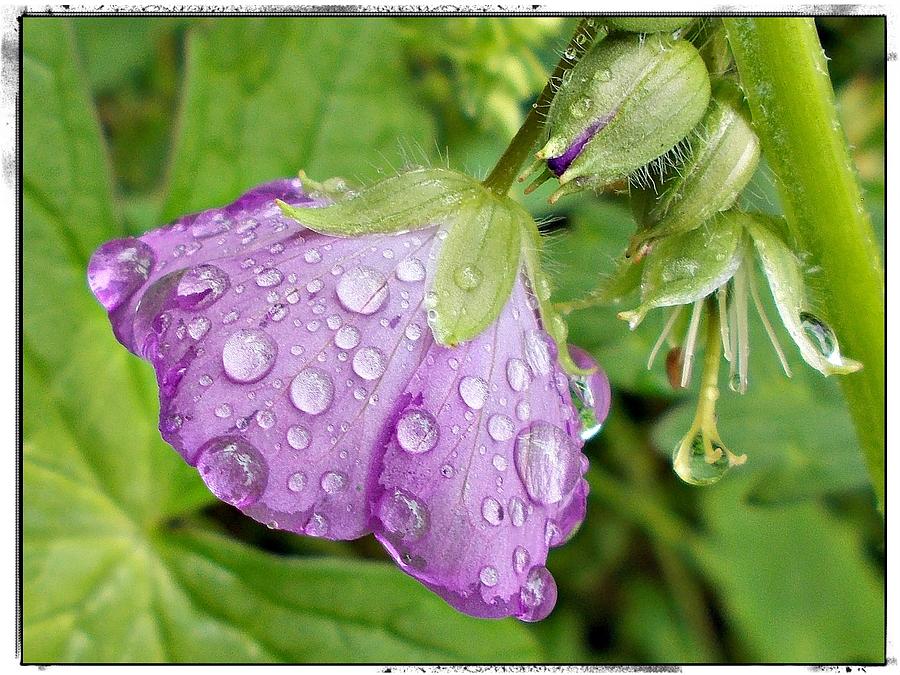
[(743, 330), (673, 316), (722, 297), (690, 343), (770, 331)]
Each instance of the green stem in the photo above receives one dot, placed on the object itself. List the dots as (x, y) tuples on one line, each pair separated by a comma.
[(785, 77), (506, 170)]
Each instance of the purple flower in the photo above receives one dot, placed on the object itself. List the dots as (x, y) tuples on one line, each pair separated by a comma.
[(298, 373)]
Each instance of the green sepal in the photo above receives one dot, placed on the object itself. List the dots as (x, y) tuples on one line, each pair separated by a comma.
[(785, 277), (412, 200), (551, 320), (644, 94), (648, 24), (476, 268), (724, 155), (686, 267)]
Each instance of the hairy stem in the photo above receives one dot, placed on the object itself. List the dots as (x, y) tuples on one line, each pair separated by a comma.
[(507, 168), (785, 77)]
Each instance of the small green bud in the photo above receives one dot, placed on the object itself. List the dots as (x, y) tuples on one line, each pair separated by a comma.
[(628, 101), (724, 154), (648, 24), (687, 267)]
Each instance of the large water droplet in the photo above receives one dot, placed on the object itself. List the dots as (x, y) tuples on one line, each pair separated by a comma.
[(491, 511), (501, 427), (473, 391), (362, 290), (269, 277), (210, 224), (518, 511), (697, 466), (410, 270), (540, 351), (298, 437), (489, 576), (233, 470), (547, 462), (297, 482), (333, 481), (468, 277), (198, 327), (312, 391), (590, 394), (117, 269), (538, 594), (521, 559), (417, 431), (403, 516), (369, 363), (517, 374), (347, 337), (821, 335), (316, 526), (248, 355), (201, 286)]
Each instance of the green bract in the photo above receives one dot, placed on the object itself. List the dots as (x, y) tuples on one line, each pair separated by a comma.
[(687, 267), (648, 24), (816, 341), (628, 101), (724, 154), (476, 269)]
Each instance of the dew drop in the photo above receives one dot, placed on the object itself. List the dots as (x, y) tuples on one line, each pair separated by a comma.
[(468, 277), (517, 374), (473, 391), (312, 256), (265, 419), (298, 437), (410, 270), (518, 511), (312, 391), (539, 351), (369, 363), (501, 427), (223, 411), (248, 355), (403, 516), (347, 337), (362, 290), (417, 431), (499, 462), (269, 277), (117, 269), (297, 482), (538, 594), (489, 576), (201, 286), (521, 559), (209, 225), (233, 470), (413, 332), (491, 511), (333, 482), (198, 327), (316, 526), (547, 462)]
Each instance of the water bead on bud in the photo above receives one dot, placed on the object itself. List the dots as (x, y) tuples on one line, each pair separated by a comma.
[(628, 101), (723, 157), (699, 460)]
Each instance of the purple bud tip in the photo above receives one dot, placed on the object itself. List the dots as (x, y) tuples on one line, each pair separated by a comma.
[(558, 165), (298, 374)]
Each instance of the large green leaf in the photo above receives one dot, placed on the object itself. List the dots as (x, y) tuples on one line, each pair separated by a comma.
[(264, 98), (111, 572)]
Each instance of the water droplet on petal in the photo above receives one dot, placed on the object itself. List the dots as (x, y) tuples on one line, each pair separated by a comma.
[(265, 419), (491, 511), (369, 363), (362, 290), (501, 427), (590, 394), (474, 392), (518, 511), (403, 516), (312, 391), (297, 482), (233, 470), (489, 576), (117, 269), (201, 286), (417, 431), (298, 437), (540, 351), (499, 462), (333, 481), (517, 374), (410, 270), (538, 594), (316, 526), (547, 462), (198, 327), (248, 355), (521, 559), (347, 337), (413, 332)]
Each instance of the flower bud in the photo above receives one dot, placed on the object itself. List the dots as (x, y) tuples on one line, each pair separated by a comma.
[(724, 154), (648, 24), (628, 101)]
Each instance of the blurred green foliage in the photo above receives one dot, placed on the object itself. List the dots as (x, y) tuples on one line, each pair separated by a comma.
[(130, 122)]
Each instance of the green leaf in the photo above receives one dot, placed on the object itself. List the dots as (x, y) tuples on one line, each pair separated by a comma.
[(684, 268), (110, 573), (476, 268), (411, 200), (264, 98), (817, 343)]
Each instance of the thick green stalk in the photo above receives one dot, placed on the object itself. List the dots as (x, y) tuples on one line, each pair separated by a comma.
[(785, 77)]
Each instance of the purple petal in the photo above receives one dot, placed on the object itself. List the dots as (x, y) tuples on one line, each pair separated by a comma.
[(483, 469), (297, 373), (559, 164)]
